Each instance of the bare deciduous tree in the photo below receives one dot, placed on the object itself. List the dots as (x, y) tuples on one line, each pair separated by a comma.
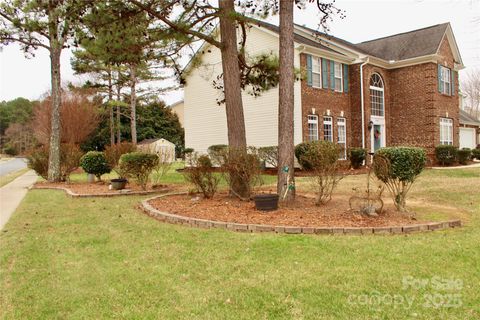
[(470, 86)]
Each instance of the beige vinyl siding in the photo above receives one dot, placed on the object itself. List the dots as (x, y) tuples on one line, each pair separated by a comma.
[(205, 120)]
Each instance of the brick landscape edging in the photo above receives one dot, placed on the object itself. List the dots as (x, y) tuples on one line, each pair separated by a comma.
[(98, 195), (241, 227)]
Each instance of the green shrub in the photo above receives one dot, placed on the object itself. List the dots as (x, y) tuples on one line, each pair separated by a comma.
[(446, 154), (322, 158), (200, 175), (138, 165), (217, 153), (357, 156), (476, 154), (300, 150), (269, 155), (95, 162), (305, 152), (464, 155), (397, 168)]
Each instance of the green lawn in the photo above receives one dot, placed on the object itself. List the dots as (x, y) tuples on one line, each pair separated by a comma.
[(102, 258)]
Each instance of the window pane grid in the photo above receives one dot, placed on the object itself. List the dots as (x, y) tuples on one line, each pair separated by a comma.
[(312, 128), (342, 138), (327, 129), (446, 131), (316, 72), (338, 76)]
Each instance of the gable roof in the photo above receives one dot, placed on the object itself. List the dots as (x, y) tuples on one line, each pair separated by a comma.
[(466, 118), (407, 45)]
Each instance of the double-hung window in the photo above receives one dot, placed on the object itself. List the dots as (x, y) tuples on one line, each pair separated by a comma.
[(446, 131), (342, 137), (338, 77), (312, 128), (327, 129), (445, 79), (316, 72)]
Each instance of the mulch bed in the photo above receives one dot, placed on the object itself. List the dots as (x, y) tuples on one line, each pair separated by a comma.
[(100, 187), (302, 213)]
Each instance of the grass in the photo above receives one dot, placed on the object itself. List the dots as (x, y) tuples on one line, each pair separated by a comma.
[(6, 179), (91, 258)]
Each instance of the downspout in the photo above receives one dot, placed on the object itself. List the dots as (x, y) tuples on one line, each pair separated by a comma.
[(362, 102)]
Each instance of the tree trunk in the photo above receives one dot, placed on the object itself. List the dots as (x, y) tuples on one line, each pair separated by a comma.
[(54, 153), (133, 104), (110, 107), (119, 99), (231, 82), (286, 157)]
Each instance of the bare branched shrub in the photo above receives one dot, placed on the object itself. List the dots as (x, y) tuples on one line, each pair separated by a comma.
[(201, 176), (164, 165), (79, 117), (242, 171), (322, 157), (369, 201)]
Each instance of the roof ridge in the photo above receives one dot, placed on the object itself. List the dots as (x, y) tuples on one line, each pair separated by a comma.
[(401, 33)]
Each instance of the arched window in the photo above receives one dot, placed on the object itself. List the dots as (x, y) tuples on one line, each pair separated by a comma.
[(377, 100)]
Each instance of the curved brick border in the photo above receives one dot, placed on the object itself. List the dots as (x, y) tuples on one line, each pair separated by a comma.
[(240, 227), (98, 195)]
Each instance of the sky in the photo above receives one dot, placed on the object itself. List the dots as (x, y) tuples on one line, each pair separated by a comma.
[(365, 20)]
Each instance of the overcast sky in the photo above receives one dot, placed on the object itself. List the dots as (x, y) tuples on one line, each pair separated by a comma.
[(365, 20)]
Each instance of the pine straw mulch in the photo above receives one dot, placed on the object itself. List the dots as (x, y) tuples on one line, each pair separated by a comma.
[(100, 187), (302, 213)]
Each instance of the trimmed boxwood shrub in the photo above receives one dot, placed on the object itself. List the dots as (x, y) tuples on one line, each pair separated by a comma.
[(476, 154), (357, 156), (464, 155), (305, 150), (138, 165), (446, 154), (95, 162), (398, 167)]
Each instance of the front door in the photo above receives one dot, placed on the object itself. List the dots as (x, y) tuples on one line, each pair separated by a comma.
[(377, 133), (377, 137)]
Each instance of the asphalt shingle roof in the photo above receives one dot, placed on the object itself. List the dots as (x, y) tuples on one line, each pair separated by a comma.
[(466, 118), (406, 45)]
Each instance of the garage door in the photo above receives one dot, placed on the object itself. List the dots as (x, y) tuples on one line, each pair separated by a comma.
[(467, 138)]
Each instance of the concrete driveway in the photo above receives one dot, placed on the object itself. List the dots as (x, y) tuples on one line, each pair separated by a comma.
[(12, 165)]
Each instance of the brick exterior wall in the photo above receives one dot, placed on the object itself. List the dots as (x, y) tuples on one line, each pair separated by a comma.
[(413, 105)]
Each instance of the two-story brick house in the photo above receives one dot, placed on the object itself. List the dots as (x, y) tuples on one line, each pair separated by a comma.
[(400, 90)]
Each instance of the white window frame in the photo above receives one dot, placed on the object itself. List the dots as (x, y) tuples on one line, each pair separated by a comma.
[(342, 126), (327, 126), (446, 131), (338, 74), (377, 97), (317, 69), (445, 78), (312, 124)]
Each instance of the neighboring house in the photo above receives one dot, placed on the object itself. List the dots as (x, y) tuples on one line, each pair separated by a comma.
[(469, 130), (400, 90), (178, 108), (164, 148)]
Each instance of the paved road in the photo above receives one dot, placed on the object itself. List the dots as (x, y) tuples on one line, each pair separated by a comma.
[(12, 194), (12, 165)]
